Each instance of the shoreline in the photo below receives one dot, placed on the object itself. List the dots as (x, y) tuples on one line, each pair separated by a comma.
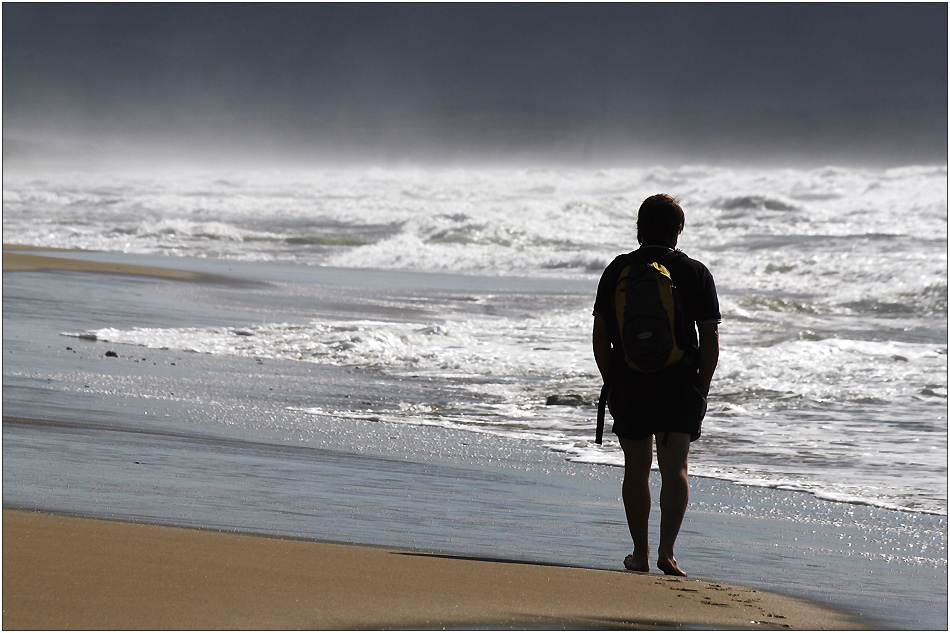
[(152, 452), (64, 571)]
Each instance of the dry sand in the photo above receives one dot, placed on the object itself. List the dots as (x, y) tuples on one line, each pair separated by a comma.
[(62, 572)]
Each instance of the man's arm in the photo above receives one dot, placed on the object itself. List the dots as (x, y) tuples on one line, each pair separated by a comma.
[(601, 341), (708, 354)]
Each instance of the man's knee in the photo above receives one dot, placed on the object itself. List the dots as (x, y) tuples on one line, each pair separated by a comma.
[(637, 456), (673, 455)]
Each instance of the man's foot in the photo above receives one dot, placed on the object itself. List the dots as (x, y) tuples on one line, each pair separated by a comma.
[(632, 564), (670, 568)]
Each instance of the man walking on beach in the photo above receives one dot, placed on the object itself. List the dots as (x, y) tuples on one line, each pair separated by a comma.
[(670, 402)]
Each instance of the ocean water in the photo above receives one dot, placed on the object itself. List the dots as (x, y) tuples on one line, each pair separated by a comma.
[(833, 286)]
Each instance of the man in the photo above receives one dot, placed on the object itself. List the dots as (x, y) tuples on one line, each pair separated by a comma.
[(669, 403)]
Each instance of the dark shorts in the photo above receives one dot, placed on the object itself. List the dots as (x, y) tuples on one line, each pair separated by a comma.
[(656, 403)]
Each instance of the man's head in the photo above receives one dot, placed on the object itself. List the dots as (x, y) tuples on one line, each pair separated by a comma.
[(660, 221)]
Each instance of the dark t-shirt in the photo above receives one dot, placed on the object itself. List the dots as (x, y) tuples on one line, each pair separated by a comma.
[(695, 290), (646, 403)]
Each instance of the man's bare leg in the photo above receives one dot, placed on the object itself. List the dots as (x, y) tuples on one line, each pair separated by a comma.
[(638, 457), (674, 495)]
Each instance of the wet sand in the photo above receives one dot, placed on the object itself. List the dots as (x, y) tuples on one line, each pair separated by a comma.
[(68, 572), (62, 572), (14, 261)]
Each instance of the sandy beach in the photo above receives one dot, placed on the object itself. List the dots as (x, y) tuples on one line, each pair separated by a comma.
[(66, 572), (442, 528), (14, 261), (62, 572)]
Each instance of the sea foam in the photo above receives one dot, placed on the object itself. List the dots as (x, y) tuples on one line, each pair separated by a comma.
[(832, 282)]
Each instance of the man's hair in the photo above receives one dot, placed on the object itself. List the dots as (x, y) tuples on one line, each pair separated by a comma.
[(660, 220)]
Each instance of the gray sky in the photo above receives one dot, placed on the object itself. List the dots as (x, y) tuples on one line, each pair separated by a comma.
[(579, 82)]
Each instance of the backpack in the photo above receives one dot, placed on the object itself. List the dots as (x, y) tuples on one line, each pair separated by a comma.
[(646, 312), (646, 316)]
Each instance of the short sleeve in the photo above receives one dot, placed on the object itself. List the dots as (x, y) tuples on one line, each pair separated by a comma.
[(708, 311)]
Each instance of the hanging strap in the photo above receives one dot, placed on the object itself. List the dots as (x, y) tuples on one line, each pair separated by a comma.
[(601, 413)]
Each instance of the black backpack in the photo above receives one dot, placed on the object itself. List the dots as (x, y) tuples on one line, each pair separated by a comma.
[(646, 314)]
